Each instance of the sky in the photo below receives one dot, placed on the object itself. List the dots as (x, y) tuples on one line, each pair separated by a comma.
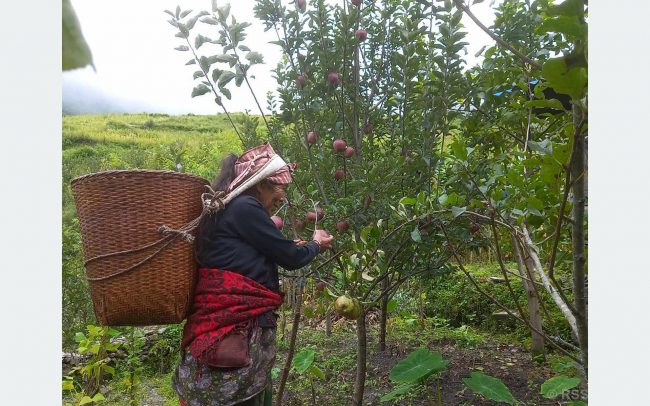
[(138, 70)]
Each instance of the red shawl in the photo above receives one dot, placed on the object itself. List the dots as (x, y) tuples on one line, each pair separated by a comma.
[(224, 300)]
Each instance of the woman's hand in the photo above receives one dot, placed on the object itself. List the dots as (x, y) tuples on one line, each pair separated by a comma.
[(323, 238)]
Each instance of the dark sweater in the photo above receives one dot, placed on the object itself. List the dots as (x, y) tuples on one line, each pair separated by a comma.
[(242, 238)]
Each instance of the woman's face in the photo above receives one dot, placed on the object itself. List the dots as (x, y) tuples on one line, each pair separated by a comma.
[(272, 196)]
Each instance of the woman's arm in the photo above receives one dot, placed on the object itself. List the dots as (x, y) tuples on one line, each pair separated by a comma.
[(254, 225)]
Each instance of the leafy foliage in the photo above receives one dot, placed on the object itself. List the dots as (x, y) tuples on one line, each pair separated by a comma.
[(490, 387)]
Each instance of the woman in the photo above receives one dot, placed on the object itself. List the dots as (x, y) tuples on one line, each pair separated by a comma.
[(228, 345)]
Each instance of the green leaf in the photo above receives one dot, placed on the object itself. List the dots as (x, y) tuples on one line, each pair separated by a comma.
[(571, 81), (185, 13), (457, 211), (200, 90), (244, 48), (543, 147), (417, 365), (210, 20), (304, 359), (577, 403), (255, 58), (490, 387), (391, 305), (275, 372), (407, 201), (200, 40), (198, 74), (225, 92), (98, 397), (191, 62), (546, 103), (557, 385), (79, 337), (67, 385), (415, 235), (567, 25), (398, 391), (76, 53), (317, 372), (459, 150), (84, 400), (567, 8), (226, 77), (182, 48)]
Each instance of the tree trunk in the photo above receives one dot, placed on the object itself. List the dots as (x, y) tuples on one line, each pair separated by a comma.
[(384, 315), (531, 252), (360, 382), (578, 172), (292, 344), (535, 316)]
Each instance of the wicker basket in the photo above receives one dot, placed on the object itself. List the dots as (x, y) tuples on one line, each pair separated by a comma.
[(138, 275)]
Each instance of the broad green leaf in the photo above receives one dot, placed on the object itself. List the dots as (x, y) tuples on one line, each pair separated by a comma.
[(459, 150), (567, 8), (85, 400), (198, 74), (303, 359), (571, 81), (557, 385), (225, 92), (79, 337), (226, 77), (67, 385), (415, 235), (490, 387), (200, 40), (391, 305), (210, 20), (567, 25), (398, 391), (98, 397), (417, 365), (76, 53), (407, 201), (317, 372), (200, 90), (185, 13), (457, 211), (191, 62)]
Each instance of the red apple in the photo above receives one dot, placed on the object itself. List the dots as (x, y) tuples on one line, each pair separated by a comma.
[(361, 34), (333, 78), (299, 225), (301, 5), (320, 212), (301, 81), (312, 137), (342, 225), (356, 2), (474, 228), (311, 216), (339, 174), (339, 145), (279, 223), (349, 152)]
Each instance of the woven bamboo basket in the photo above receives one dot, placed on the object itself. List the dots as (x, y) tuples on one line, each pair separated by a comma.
[(139, 274)]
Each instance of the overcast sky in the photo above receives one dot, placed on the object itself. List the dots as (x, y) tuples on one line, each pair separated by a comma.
[(138, 69)]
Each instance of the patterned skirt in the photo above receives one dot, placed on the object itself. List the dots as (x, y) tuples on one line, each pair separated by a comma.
[(201, 385)]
